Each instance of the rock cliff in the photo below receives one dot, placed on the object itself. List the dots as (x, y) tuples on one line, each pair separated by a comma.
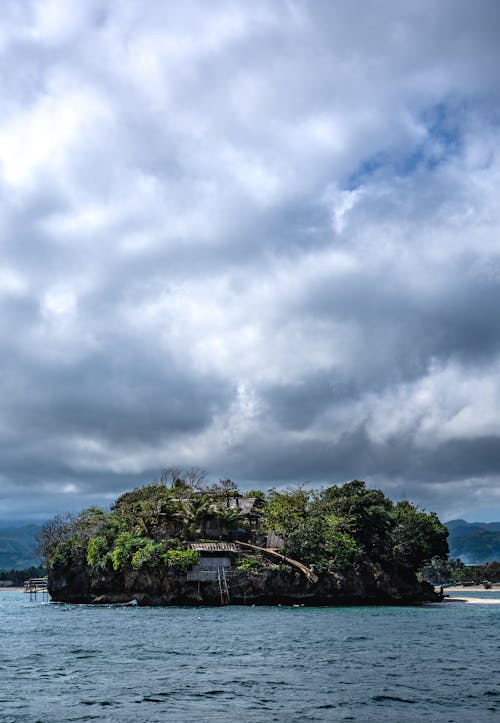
[(364, 584)]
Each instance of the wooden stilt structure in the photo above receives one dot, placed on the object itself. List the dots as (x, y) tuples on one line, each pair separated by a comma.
[(36, 585)]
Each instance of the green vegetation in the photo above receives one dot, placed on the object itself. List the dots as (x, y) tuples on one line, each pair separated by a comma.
[(148, 528), (249, 564), (181, 560), (418, 536), (17, 577), (285, 511), (456, 571), (490, 571), (332, 528)]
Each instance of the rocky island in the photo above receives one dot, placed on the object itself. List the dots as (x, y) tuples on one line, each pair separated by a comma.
[(180, 541)]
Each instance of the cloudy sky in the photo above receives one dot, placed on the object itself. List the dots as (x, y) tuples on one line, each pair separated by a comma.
[(262, 238)]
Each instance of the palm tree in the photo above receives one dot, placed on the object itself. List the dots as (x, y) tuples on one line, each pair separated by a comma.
[(228, 518), (194, 512)]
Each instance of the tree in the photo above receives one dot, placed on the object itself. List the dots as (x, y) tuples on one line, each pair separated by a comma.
[(142, 507), (364, 514), (194, 513), (306, 542), (66, 536), (286, 510), (222, 491), (174, 477), (417, 536), (56, 530)]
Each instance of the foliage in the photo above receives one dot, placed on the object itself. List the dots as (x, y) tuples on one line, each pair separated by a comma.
[(148, 553), (181, 560), (54, 532), (417, 536), (364, 512), (307, 542), (320, 540), (340, 545), (136, 551), (125, 550), (66, 552), (96, 549), (229, 518), (247, 564), (19, 576), (490, 571), (286, 511), (194, 512), (331, 528), (456, 571), (65, 538), (141, 507)]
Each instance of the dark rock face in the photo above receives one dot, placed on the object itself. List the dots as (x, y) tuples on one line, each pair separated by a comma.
[(367, 584)]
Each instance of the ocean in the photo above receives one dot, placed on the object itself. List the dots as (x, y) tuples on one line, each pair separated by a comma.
[(244, 664)]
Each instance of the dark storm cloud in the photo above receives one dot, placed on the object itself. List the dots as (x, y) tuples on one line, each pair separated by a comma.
[(261, 239)]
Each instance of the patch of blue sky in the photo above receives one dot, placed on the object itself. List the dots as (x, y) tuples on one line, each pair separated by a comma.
[(443, 124)]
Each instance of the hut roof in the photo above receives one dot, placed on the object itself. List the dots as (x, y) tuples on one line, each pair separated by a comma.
[(213, 546), (244, 504)]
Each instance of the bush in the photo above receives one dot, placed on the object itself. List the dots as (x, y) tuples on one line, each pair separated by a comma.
[(149, 553), (321, 541), (96, 551), (342, 548), (126, 545), (418, 536), (286, 511), (181, 560), (248, 564)]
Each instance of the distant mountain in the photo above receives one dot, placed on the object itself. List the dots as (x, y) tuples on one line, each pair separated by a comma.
[(474, 542), (17, 547)]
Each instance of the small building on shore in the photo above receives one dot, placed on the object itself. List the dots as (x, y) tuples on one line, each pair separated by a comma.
[(214, 557)]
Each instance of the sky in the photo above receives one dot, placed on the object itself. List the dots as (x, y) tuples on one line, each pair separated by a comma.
[(261, 238)]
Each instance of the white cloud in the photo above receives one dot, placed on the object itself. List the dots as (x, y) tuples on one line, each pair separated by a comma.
[(12, 283), (266, 234)]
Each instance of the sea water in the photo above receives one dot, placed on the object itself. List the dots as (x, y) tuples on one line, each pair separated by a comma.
[(130, 664)]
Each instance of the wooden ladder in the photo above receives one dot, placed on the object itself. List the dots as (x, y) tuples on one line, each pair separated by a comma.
[(223, 586)]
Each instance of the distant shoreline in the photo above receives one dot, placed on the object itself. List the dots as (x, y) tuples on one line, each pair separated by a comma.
[(469, 588), (472, 600), (11, 589)]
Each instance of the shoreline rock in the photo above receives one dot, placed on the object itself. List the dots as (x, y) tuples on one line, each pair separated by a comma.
[(369, 584)]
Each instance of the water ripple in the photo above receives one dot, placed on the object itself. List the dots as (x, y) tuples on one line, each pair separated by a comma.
[(64, 664)]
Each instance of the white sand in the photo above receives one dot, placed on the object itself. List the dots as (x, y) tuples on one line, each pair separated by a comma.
[(473, 600), (470, 588)]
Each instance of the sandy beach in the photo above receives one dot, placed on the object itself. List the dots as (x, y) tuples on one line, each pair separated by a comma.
[(473, 600), (470, 588), (11, 589), (464, 594)]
